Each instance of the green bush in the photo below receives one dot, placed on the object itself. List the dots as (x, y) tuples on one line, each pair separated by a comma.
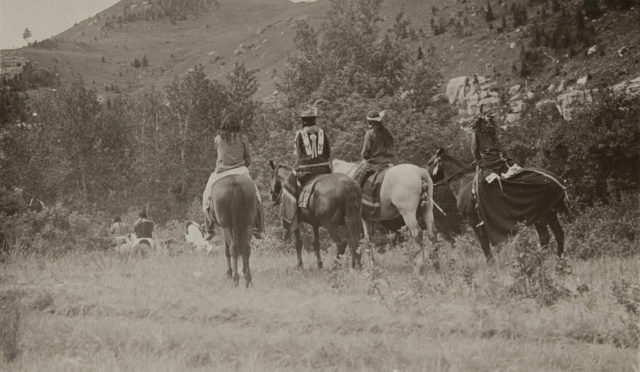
[(597, 152), (53, 231), (606, 230)]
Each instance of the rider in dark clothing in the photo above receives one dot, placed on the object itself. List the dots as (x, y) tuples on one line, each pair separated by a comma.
[(377, 150), (143, 227), (486, 147), (313, 150)]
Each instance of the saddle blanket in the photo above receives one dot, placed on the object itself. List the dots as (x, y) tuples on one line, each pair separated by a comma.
[(523, 197), (292, 199), (371, 207), (215, 177)]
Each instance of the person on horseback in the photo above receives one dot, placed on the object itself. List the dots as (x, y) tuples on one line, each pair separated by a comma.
[(485, 145), (313, 157), (232, 149), (377, 150), (143, 227)]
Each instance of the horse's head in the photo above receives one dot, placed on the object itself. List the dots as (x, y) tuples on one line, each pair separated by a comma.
[(435, 167), (276, 181)]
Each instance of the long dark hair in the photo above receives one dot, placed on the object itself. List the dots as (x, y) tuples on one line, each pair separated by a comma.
[(230, 128), (383, 132)]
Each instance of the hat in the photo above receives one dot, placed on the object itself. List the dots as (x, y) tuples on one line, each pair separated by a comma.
[(375, 115), (309, 112)]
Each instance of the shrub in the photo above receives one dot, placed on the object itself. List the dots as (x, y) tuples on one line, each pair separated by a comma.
[(53, 231), (611, 230), (533, 277), (598, 151)]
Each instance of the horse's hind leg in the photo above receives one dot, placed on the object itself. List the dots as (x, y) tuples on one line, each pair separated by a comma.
[(414, 227), (552, 219), (316, 245), (236, 275), (543, 232), (245, 266), (228, 254), (298, 240), (341, 245)]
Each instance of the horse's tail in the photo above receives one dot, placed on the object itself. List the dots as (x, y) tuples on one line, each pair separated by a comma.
[(426, 202)]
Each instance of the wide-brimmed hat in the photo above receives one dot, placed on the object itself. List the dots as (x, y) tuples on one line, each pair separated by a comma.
[(375, 115), (309, 112)]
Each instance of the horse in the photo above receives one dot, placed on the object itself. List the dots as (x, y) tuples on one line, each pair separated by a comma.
[(233, 207), (401, 195), (335, 202), (459, 177)]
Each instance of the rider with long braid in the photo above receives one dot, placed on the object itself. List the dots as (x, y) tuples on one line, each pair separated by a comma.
[(232, 149)]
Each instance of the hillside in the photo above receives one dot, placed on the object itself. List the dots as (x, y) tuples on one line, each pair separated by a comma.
[(260, 34)]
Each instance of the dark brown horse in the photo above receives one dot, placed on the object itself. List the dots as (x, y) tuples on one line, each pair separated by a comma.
[(335, 202), (459, 177), (233, 200)]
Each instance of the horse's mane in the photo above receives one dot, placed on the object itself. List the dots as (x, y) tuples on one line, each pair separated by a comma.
[(457, 162)]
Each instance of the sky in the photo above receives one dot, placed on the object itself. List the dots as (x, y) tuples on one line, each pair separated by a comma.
[(44, 18)]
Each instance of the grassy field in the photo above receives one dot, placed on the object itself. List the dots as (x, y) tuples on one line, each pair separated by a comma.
[(96, 311)]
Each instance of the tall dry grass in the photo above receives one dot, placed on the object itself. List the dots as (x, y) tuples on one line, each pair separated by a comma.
[(95, 311)]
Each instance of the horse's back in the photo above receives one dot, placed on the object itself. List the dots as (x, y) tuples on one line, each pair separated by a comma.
[(333, 192), (236, 193), (402, 184)]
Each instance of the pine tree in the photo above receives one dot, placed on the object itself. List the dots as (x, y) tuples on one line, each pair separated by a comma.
[(145, 61), (592, 9), (489, 16)]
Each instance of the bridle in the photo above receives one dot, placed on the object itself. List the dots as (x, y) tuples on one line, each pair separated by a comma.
[(451, 177), (279, 196)]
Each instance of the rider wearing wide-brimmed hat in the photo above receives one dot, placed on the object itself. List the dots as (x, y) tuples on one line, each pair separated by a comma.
[(377, 149), (313, 157), (312, 147)]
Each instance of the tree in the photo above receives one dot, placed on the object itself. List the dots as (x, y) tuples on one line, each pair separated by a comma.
[(592, 9), (489, 16), (145, 61), (26, 35), (72, 115), (196, 104), (242, 86), (136, 63)]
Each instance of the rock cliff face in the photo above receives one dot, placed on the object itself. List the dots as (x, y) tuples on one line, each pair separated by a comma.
[(469, 93)]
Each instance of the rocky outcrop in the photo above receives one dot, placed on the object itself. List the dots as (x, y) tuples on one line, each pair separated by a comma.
[(468, 93)]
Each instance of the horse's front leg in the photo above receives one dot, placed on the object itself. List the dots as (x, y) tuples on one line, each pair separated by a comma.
[(484, 243), (298, 239), (316, 245)]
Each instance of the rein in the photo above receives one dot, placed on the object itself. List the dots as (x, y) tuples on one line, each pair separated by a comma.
[(279, 198), (451, 177)]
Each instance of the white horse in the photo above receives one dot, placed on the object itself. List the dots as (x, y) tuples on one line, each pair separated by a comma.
[(405, 188)]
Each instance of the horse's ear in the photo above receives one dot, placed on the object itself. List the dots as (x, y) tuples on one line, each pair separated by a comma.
[(272, 164)]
